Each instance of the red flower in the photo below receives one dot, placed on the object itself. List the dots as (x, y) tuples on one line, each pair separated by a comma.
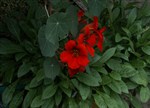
[(89, 42), (80, 17), (91, 26), (75, 55), (100, 38), (72, 72), (91, 31)]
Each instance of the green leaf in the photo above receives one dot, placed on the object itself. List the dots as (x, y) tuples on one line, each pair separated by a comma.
[(55, 2), (75, 82), (111, 103), (28, 98), (106, 56), (16, 100), (49, 91), (132, 16), (106, 80), (29, 46), (51, 68), (140, 78), (56, 27), (88, 79), (34, 83), (94, 59), (84, 104), (40, 13), (64, 83), (136, 28), (84, 91), (123, 86), (58, 97), (24, 69), (128, 33), (95, 74), (19, 56), (115, 75), (127, 71), (96, 6), (47, 48), (115, 86), (106, 89), (9, 73), (67, 91), (40, 75), (8, 93), (118, 38), (145, 35), (115, 14), (73, 23), (48, 103), (144, 94), (37, 101), (136, 103), (13, 28), (29, 31), (101, 70), (122, 56), (131, 85), (146, 50), (115, 67), (8, 47), (138, 63), (72, 103), (118, 99), (100, 101), (145, 10)]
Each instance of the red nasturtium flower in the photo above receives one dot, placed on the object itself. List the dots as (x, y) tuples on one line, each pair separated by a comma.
[(91, 26), (100, 38), (89, 42), (92, 32), (75, 55), (76, 52)]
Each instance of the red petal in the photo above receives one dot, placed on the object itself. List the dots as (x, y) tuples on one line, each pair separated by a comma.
[(102, 29), (70, 45), (87, 28), (65, 56), (95, 23), (72, 63), (90, 50), (83, 60), (81, 69), (92, 40), (80, 13), (82, 50), (72, 72), (80, 39), (100, 46), (101, 37)]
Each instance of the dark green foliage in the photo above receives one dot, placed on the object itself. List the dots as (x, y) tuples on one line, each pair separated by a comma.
[(33, 75)]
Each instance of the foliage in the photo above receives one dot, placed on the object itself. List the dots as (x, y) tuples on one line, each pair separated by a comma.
[(34, 76)]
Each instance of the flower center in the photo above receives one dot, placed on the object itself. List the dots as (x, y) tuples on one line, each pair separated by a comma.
[(75, 52)]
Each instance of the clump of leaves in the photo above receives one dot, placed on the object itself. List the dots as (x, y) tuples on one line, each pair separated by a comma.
[(33, 75)]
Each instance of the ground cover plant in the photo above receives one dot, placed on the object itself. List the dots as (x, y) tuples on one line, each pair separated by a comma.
[(75, 54)]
